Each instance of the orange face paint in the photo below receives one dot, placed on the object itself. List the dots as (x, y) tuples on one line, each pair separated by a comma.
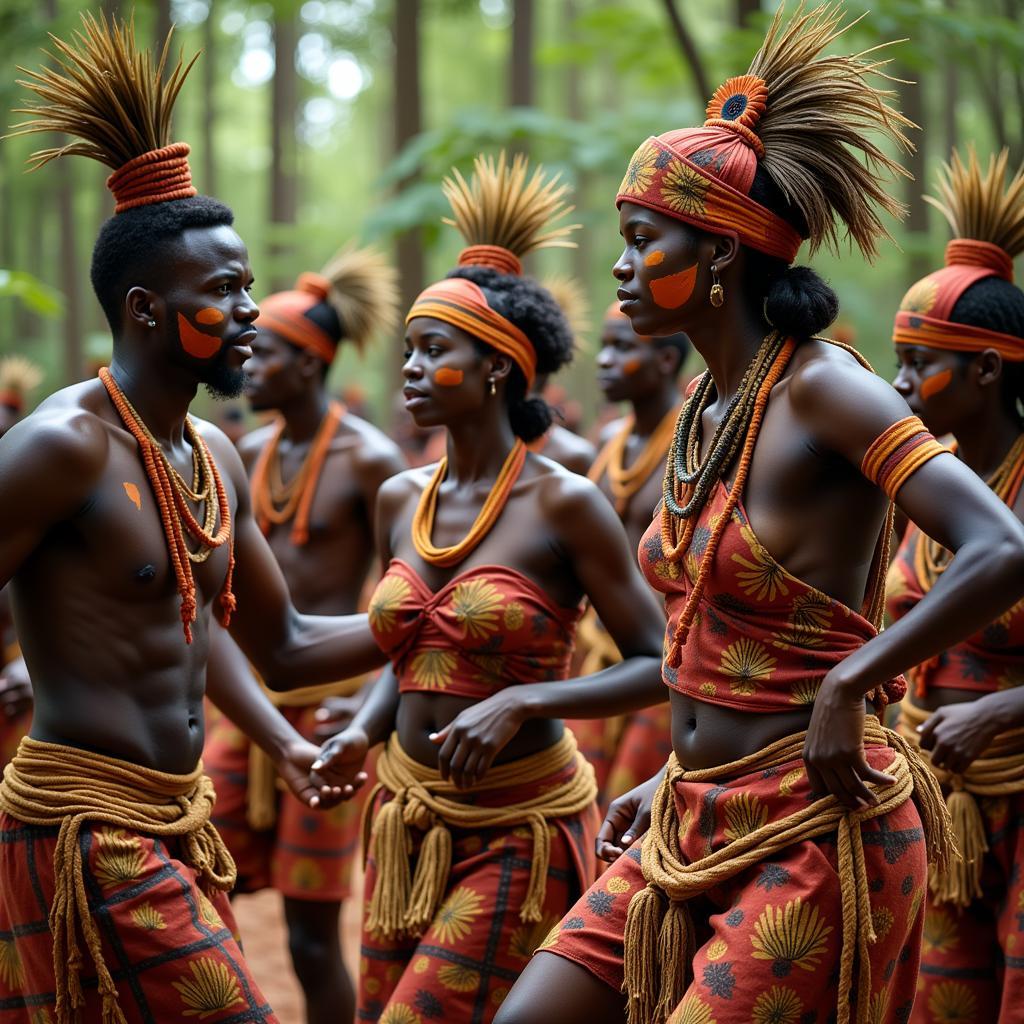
[(448, 377), (674, 290), (209, 316), (630, 366), (654, 259), (936, 383), (133, 494), (195, 343)]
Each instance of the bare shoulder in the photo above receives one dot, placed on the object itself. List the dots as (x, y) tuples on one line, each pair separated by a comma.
[(251, 444), (224, 452), (404, 486), (837, 399), (568, 499), (574, 452), (609, 430), (375, 451)]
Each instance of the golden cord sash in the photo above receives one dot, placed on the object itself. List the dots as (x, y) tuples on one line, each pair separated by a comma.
[(999, 771), (660, 940), (404, 903), (49, 784)]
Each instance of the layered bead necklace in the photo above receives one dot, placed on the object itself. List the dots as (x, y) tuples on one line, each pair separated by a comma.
[(426, 510), (173, 495), (276, 502)]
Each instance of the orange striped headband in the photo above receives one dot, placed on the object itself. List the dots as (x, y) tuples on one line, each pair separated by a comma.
[(898, 452), (463, 304), (923, 317), (285, 315), (702, 176), (154, 177)]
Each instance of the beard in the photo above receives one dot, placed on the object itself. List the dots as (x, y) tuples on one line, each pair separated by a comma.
[(223, 382)]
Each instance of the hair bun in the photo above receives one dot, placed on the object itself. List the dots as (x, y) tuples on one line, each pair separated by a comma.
[(970, 252), (314, 284)]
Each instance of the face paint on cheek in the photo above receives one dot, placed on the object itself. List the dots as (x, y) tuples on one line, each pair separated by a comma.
[(448, 377), (195, 343), (630, 366), (209, 316), (673, 291), (936, 384), (655, 259)]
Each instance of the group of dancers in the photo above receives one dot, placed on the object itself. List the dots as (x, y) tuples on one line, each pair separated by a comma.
[(801, 817)]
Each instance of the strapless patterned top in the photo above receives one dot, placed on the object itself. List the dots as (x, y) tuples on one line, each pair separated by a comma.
[(762, 640), (990, 660), (487, 628)]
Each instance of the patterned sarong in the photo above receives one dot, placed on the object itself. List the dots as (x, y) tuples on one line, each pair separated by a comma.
[(477, 943), (768, 940), (305, 854)]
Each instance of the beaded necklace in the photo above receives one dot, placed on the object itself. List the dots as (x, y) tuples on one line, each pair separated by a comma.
[(173, 495), (275, 501), (426, 510), (930, 557), (626, 481)]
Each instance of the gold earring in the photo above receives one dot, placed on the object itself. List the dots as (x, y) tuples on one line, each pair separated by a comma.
[(494, 389), (717, 292)]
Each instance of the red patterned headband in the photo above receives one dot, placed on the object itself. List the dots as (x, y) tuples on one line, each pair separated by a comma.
[(285, 315), (924, 313), (702, 176), (463, 304), (154, 177)]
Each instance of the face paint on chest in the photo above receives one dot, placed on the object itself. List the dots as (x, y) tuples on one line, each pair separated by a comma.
[(674, 290), (654, 259), (936, 383), (133, 494), (195, 343), (209, 316), (448, 377)]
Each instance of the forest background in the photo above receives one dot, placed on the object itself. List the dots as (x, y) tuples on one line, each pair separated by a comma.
[(323, 121)]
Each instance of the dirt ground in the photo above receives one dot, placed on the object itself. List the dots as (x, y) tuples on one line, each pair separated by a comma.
[(261, 922)]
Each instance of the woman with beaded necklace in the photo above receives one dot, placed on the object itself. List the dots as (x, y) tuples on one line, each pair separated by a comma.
[(959, 338), (482, 832), (783, 874)]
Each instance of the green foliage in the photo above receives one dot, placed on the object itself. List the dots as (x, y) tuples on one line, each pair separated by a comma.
[(33, 294)]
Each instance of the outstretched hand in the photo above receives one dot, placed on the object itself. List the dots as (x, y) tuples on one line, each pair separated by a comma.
[(834, 748), (295, 767), (628, 818), (339, 764), (957, 734)]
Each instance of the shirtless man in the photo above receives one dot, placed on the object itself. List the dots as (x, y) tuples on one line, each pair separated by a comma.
[(314, 474), (104, 812)]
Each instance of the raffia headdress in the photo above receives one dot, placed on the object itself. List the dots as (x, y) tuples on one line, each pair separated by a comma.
[(986, 214), (572, 301), (18, 377), (805, 117), (503, 212), (113, 99), (359, 285)]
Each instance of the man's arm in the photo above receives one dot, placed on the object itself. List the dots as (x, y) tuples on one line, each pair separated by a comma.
[(289, 649)]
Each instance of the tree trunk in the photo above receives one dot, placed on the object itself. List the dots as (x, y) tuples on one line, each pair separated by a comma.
[(162, 25), (408, 121), (912, 101), (744, 10), (950, 93), (688, 48), (209, 61), (520, 68), (74, 366), (283, 186)]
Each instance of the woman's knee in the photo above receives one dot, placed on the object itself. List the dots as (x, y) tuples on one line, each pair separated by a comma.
[(553, 987)]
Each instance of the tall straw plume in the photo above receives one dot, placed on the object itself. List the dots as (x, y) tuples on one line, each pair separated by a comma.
[(572, 300), (363, 289), (18, 374), (501, 206), (105, 92), (980, 204), (819, 117)]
